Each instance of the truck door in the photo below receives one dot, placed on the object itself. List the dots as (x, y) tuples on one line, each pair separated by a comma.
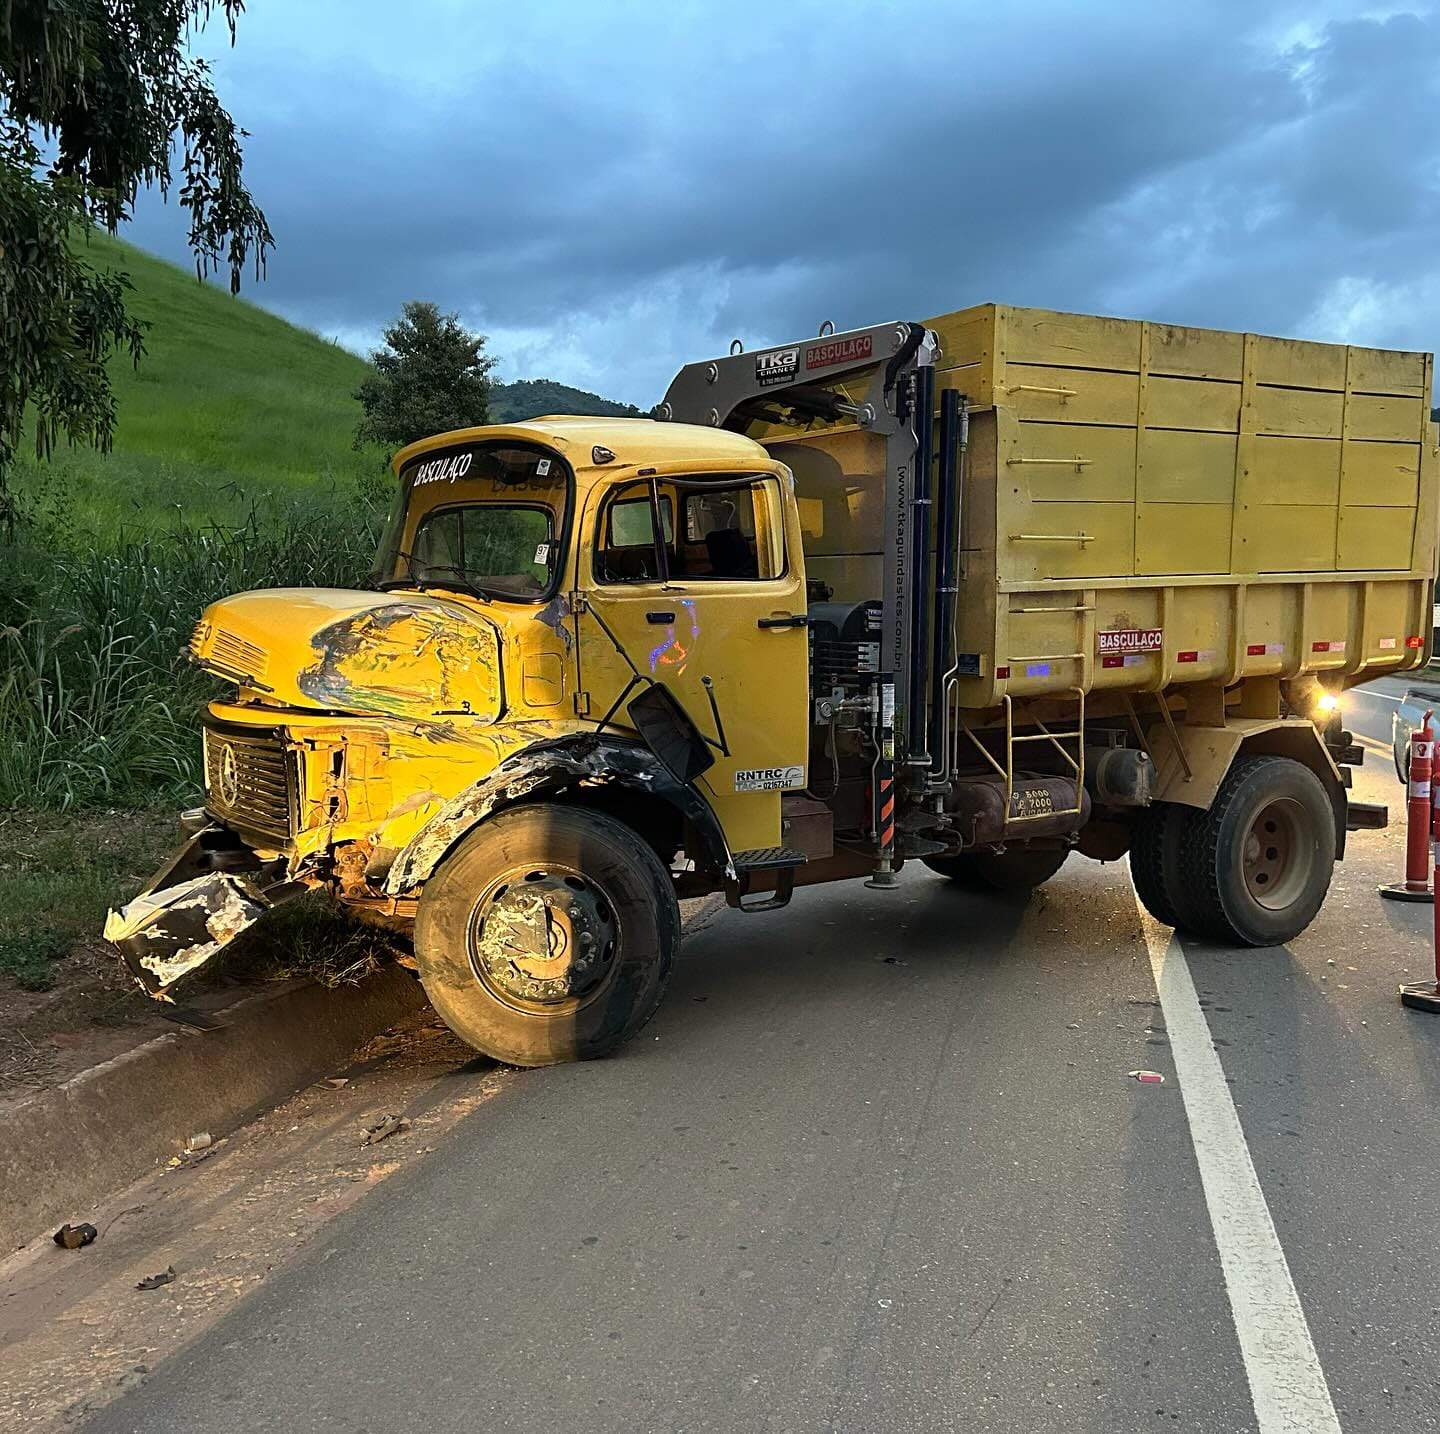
[(710, 603)]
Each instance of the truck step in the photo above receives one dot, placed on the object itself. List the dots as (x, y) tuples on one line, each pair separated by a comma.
[(1366, 816), (767, 858), (779, 859)]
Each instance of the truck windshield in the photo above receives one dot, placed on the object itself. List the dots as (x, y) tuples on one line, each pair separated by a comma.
[(486, 519)]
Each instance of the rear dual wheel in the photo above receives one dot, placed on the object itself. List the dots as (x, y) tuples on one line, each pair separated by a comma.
[(547, 935), (1254, 869)]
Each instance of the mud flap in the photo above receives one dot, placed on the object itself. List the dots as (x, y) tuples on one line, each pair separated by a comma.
[(182, 921)]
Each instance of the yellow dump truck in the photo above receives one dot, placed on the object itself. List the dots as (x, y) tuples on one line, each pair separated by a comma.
[(978, 592)]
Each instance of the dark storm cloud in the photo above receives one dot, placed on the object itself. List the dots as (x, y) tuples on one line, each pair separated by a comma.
[(610, 191)]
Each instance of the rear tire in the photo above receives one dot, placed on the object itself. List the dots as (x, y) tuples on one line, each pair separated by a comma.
[(1256, 867), (1015, 869), (1155, 860), (547, 935)]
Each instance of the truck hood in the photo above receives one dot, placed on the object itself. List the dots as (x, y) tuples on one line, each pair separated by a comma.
[(397, 654)]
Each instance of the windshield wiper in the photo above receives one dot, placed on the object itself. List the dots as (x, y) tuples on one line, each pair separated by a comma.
[(463, 583), (384, 585)]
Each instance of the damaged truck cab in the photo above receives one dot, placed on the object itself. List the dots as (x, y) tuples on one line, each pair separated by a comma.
[(978, 593), (527, 651)]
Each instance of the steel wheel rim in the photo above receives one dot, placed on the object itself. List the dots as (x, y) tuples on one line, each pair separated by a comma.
[(1276, 855), (563, 974)]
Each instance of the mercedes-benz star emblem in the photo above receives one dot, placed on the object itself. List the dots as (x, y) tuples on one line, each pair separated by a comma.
[(229, 777)]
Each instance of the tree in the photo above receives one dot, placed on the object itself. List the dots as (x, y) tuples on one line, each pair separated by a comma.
[(430, 376), (97, 98)]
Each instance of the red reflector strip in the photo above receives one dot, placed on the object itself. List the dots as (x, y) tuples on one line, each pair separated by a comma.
[(1255, 649), (1327, 647), (1187, 657), (1001, 673), (1113, 659), (1414, 642)]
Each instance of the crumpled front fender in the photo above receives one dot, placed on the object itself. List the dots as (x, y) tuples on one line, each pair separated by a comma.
[(549, 770), (188, 915)]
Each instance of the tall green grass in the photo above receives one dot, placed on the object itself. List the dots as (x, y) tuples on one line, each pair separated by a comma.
[(97, 705)]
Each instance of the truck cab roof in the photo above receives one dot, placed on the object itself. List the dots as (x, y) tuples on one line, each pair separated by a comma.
[(632, 441)]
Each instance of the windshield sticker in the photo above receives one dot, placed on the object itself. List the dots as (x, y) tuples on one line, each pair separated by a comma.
[(542, 467), (778, 366), (542, 554), (442, 470), (769, 779)]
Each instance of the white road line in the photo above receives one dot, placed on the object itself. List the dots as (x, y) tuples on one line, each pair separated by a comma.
[(1287, 1385), (1378, 696)]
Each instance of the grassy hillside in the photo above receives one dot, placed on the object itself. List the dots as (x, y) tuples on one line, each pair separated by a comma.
[(230, 405), (230, 408), (532, 397)]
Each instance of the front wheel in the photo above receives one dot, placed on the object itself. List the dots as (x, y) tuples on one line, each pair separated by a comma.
[(547, 935), (1015, 869)]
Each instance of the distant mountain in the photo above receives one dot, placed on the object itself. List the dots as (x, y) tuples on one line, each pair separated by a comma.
[(531, 397)]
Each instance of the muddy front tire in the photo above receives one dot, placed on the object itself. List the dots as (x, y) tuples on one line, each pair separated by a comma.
[(1015, 869), (547, 935)]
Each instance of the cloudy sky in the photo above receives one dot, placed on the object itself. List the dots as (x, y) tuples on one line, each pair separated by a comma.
[(611, 189)]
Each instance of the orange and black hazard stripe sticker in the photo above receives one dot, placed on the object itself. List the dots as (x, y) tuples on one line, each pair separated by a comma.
[(887, 811)]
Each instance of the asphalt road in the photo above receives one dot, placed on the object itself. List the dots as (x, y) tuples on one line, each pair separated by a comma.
[(879, 1164)]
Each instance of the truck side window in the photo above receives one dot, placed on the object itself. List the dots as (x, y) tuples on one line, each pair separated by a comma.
[(627, 551), (724, 533), (631, 525), (727, 533)]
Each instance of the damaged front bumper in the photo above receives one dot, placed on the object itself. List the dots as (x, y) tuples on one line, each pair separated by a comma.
[(208, 893)]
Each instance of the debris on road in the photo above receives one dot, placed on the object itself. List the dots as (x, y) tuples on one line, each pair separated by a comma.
[(201, 1141), (75, 1237), (336, 1082), (383, 1129), (193, 1154), (153, 1282), (1148, 1077)]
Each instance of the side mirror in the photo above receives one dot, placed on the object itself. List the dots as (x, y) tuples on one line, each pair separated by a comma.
[(667, 730)]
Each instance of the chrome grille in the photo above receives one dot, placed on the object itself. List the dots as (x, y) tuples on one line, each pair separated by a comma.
[(250, 781)]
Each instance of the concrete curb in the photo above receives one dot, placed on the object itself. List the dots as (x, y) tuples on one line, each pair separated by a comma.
[(66, 1148)]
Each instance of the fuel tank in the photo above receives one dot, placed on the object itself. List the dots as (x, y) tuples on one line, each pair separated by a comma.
[(1038, 806)]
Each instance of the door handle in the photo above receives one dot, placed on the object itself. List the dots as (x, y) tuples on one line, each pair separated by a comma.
[(660, 618), (798, 620)]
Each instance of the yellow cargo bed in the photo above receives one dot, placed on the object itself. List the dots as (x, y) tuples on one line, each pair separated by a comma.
[(1146, 504)]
